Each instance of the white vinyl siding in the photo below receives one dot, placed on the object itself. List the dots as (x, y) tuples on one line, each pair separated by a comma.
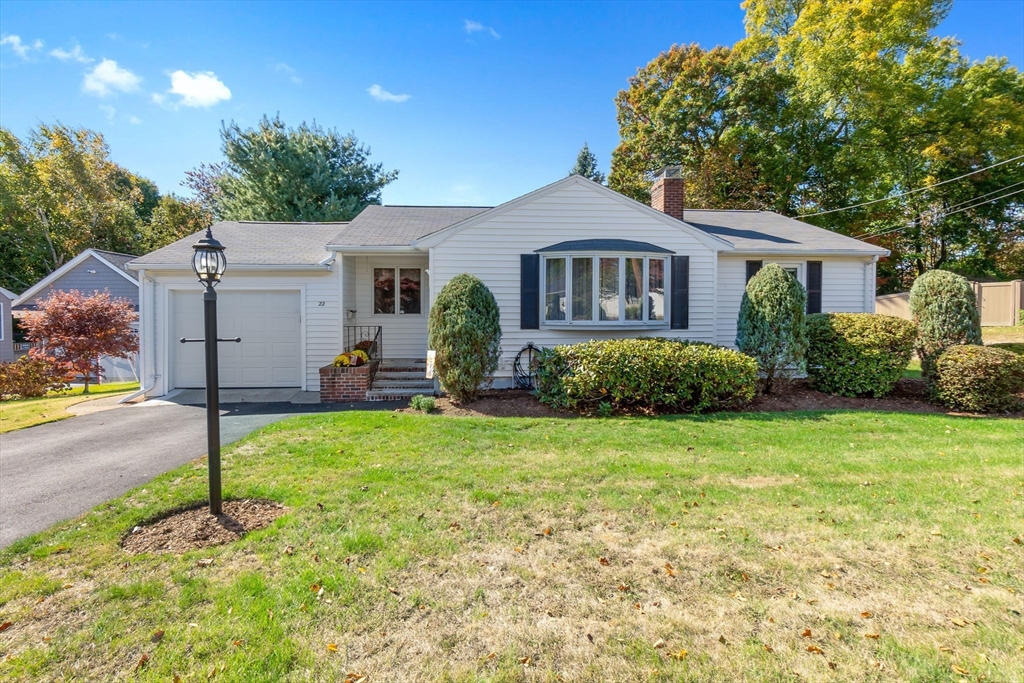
[(845, 286), (491, 251)]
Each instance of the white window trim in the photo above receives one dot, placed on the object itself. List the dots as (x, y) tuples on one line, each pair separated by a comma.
[(398, 290), (595, 323), (801, 269)]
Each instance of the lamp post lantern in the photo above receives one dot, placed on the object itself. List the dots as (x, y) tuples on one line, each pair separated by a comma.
[(209, 264)]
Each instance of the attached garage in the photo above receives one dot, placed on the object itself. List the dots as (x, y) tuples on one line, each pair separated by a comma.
[(269, 323)]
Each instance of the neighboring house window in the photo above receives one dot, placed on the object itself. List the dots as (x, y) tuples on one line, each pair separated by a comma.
[(408, 290), (604, 288)]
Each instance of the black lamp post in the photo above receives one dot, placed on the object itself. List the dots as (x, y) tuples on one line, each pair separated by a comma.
[(209, 264)]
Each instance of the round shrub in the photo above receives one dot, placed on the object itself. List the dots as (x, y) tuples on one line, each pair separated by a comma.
[(945, 308), (980, 379), (853, 354), (465, 333), (31, 377), (771, 325), (661, 374)]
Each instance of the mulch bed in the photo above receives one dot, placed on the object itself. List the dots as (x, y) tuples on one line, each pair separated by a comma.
[(195, 527), (908, 397)]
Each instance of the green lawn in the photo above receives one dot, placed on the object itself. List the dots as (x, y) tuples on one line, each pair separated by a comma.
[(34, 411), (992, 335), (844, 546)]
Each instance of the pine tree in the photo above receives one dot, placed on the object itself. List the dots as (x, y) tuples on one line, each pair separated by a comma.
[(586, 166)]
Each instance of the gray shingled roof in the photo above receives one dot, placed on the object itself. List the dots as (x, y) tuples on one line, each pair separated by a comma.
[(768, 231), (119, 260), (379, 226), (252, 243), (606, 245)]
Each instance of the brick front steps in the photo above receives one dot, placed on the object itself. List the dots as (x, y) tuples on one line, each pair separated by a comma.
[(399, 380), (393, 380)]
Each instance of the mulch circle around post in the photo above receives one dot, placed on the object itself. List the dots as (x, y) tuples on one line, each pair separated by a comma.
[(193, 527)]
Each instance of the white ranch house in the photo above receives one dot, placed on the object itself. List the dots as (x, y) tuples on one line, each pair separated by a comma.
[(569, 262)]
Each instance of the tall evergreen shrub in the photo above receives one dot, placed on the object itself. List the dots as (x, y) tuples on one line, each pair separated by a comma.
[(945, 309), (465, 333), (771, 325)]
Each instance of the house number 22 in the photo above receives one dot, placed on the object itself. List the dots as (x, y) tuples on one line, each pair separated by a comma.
[(321, 303)]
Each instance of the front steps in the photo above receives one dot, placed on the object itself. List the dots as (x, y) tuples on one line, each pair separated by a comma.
[(399, 379)]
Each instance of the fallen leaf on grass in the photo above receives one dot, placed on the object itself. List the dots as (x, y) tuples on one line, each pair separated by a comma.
[(815, 649), (205, 562), (669, 569), (873, 636), (590, 637), (355, 678), (658, 644), (958, 622), (288, 550), (960, 670), (142, 662), (945, 648), (679, 655), (866, 615), (806, 633), (237, 643), (833, 666), (526, 661), (157, 636), (332, 647), (768, 648), (603, 561), (4, 626)]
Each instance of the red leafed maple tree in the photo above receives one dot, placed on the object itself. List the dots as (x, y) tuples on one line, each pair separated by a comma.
[(77, 329)]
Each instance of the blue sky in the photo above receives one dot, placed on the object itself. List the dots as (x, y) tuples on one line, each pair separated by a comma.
[(474, 103)]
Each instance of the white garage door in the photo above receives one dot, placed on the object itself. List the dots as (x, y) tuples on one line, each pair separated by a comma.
[(268, 323)]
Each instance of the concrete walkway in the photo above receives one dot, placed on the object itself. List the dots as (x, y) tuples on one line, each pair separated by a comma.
[(60, 470)]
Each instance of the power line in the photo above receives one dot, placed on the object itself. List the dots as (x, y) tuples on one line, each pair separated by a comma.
[(909, 192), (945, 214)]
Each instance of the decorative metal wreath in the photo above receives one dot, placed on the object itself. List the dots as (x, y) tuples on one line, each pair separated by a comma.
[(525, 367)]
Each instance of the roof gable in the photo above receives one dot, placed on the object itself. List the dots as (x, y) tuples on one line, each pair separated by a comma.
[(710, 241), (767, 232), (104, 257)]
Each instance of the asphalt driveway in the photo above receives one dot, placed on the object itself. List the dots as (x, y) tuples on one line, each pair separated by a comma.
[(60, 470)]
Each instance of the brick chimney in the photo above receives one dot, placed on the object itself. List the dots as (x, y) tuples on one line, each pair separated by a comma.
[(668, 193)]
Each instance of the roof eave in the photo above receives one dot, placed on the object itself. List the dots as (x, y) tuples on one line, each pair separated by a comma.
[(323, 266), (371, 248)]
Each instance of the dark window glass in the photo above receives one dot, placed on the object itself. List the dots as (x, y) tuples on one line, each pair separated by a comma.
[(410, 290), (383, 290)]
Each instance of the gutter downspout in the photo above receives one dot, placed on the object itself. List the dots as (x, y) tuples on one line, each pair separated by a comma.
[(146, 337)]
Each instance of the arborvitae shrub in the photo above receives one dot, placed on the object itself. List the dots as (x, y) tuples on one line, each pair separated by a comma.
[(853, 354), (980, 379), (771, 326), (465, 333), (945, 308), (660, 374)]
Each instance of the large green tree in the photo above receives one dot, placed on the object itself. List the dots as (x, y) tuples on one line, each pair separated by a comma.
[(831, 103), (276, 173)]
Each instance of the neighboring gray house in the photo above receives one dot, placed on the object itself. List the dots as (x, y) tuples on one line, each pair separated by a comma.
[(7, 297), (92, 271)]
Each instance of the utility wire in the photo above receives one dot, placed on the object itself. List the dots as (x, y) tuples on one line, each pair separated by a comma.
[(947, 213), (909, 192)]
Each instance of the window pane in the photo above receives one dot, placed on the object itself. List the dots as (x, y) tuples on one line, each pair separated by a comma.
[(409, 290), (583, 288), (383, 290), (609, 289), (554, 289), (634, 288), (656, 289)]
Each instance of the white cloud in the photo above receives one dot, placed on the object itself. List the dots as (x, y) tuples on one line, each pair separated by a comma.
[(109, 111), (19, 48), (283, 68), (381, 95), (475, 26), (75, 54), (199, 89), (106, 77), (134, 120)]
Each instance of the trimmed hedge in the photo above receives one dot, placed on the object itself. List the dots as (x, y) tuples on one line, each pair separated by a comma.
[(771, 325), (661, 374), (464, 329), (856, 354), (980, 379), (945, 308)]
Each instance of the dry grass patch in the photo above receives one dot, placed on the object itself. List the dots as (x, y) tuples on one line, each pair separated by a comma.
[(818, 547)]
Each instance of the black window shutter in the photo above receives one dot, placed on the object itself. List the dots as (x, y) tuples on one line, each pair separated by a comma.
[(529, 291), (814, 286), (752, 268), (680, 293)]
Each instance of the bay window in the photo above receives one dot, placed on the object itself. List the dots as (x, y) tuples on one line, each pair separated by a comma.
[(604, 289)]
